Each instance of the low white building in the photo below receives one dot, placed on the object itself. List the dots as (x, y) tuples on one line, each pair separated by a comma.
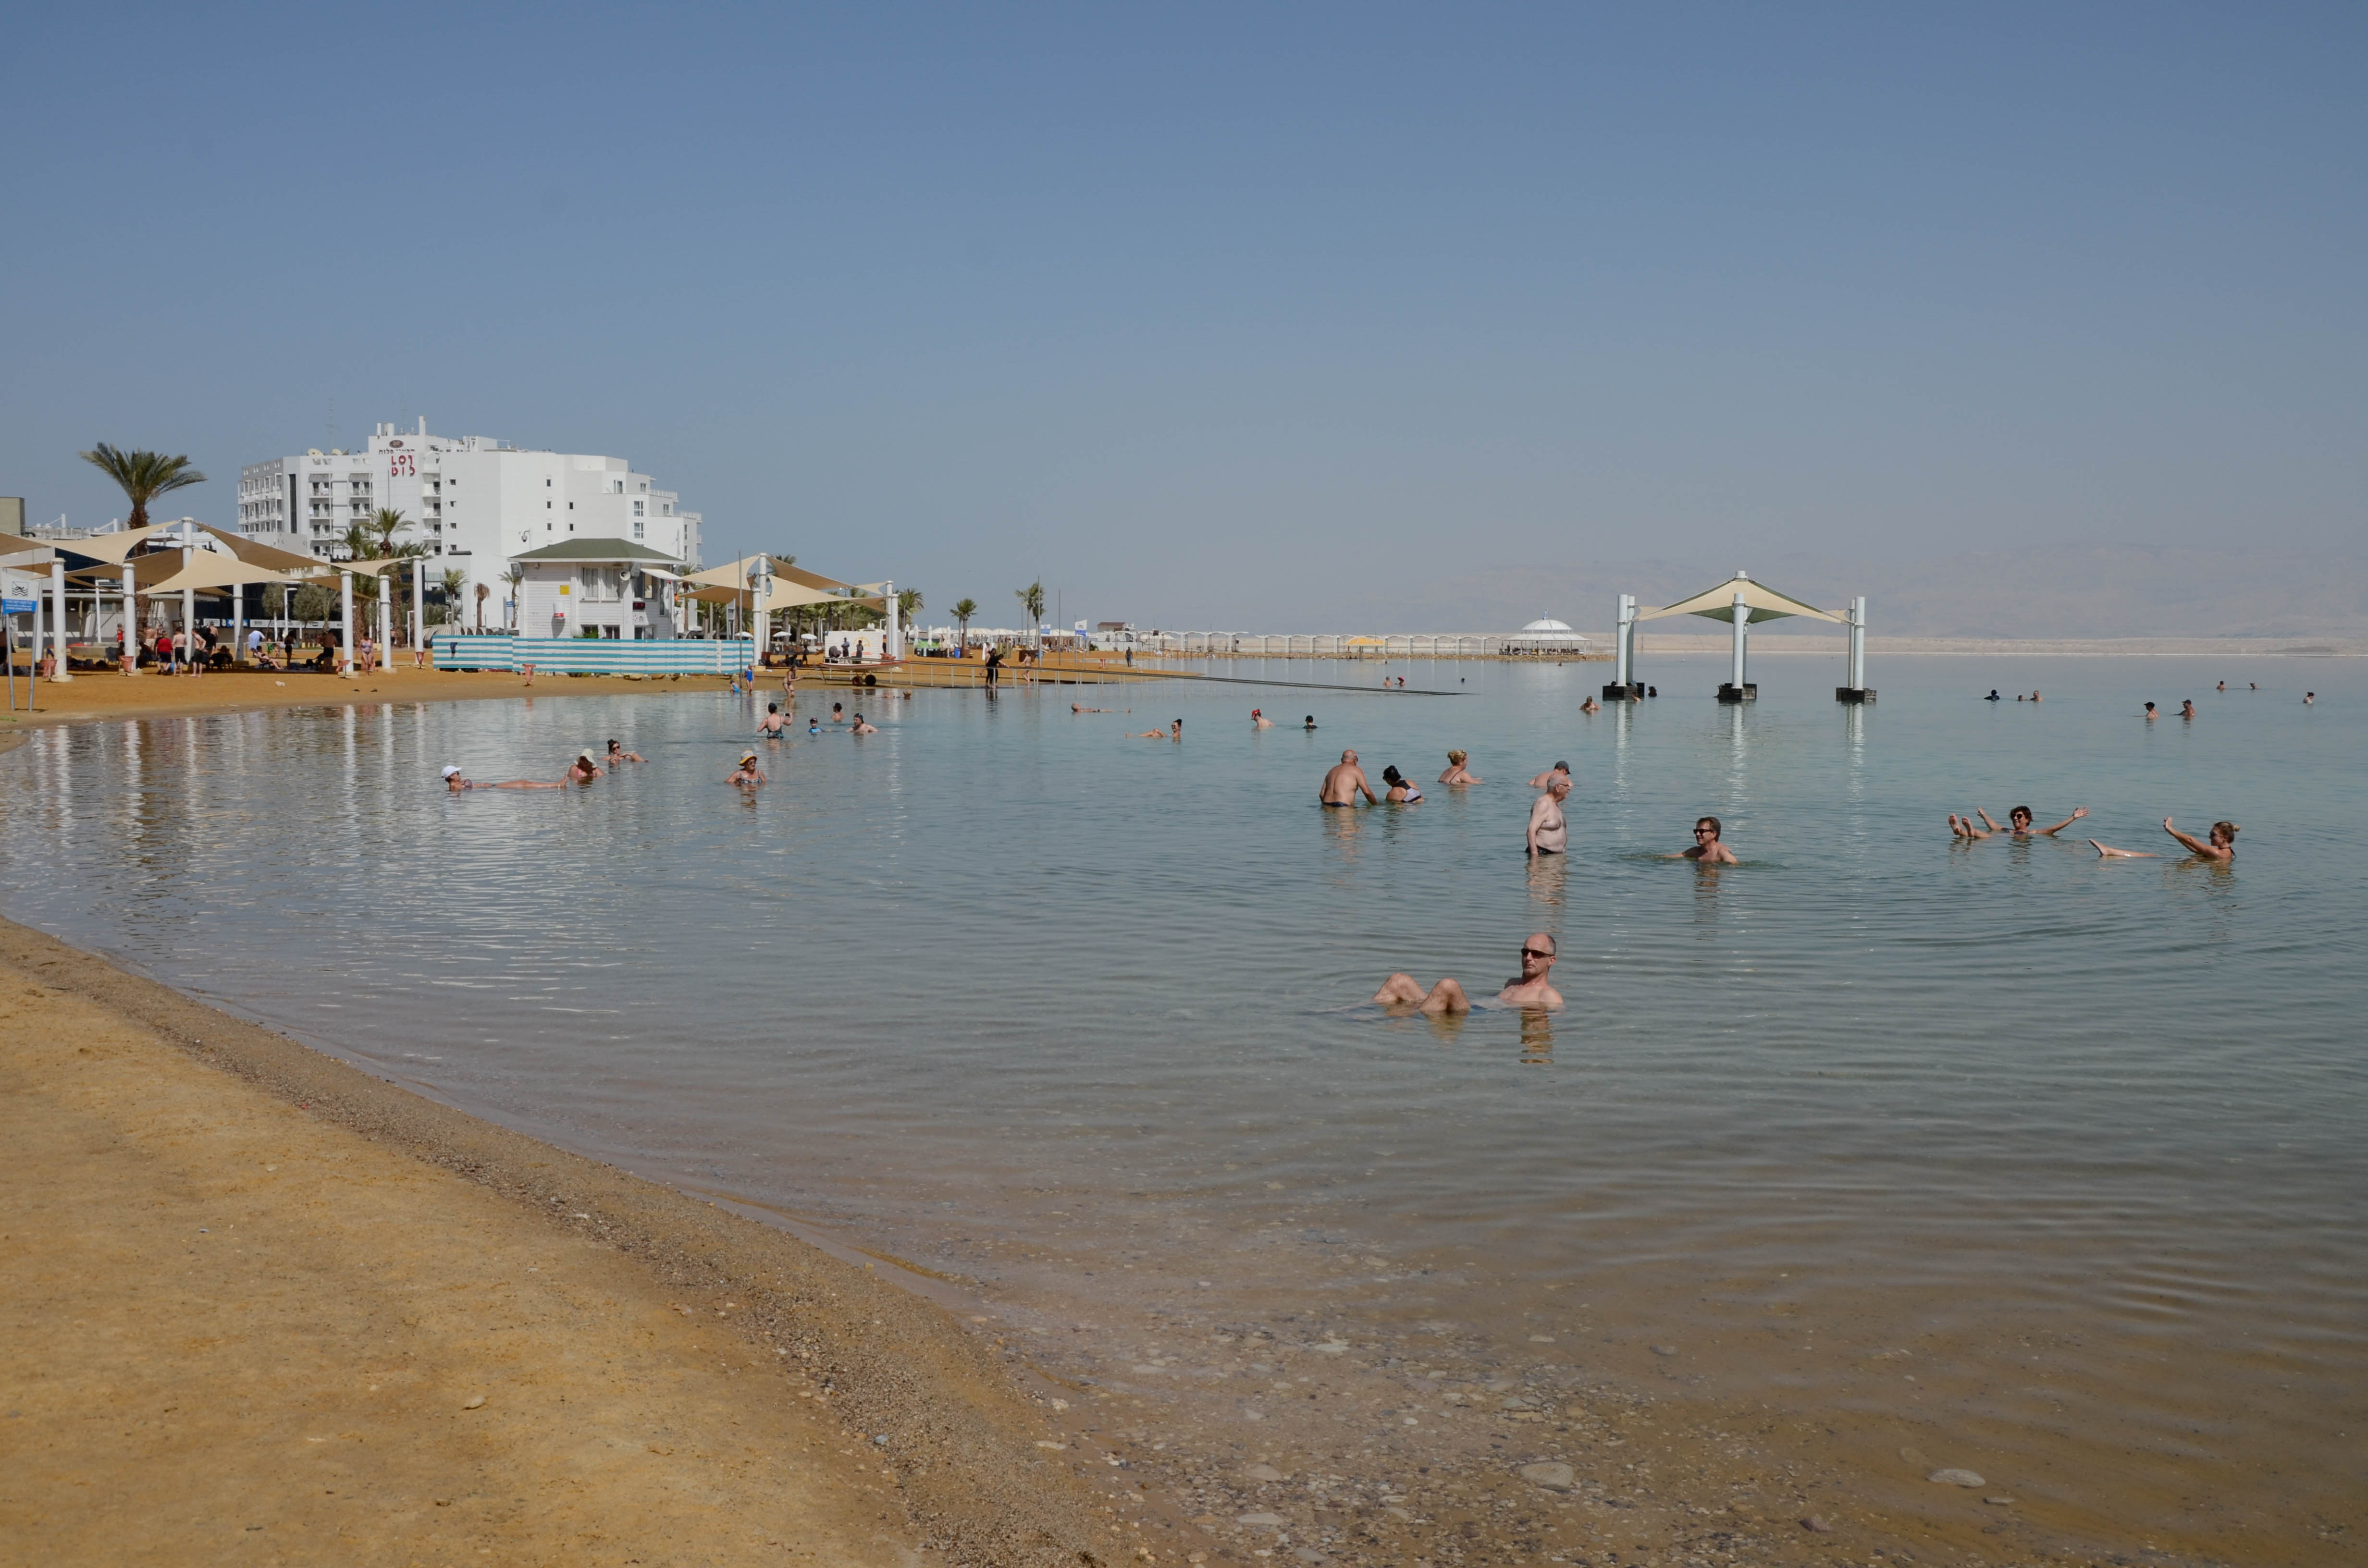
[(601, 587), (476, 503)]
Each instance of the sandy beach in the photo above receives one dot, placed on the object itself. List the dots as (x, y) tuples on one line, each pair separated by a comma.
[(262, 1302)]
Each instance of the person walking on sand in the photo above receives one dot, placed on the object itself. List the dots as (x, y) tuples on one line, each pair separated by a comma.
[(747, 775), (1533, 987), (1707, 849), (1549, 830), (2223, 846), (1457, 773), (2019, 823), (1342, 783)]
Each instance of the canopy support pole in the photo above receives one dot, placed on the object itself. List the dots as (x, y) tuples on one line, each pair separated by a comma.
[(1738, 688), (346, 621), (891, 646), (130, 625), (1624, 649), (58, 618), (237, 624), (1857, 690)]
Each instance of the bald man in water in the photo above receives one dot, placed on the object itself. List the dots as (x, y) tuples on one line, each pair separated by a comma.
[(1531, 988), (1342, 781)]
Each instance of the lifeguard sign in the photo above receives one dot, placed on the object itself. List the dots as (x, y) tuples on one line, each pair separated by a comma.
[(1740, 602)]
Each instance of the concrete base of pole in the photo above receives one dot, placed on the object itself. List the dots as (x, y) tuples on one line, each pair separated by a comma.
[(1730, 693), (1615, 692), (1853, 694)]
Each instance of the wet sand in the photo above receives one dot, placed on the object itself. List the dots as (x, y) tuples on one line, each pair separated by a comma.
[(263, 1305), (109, 694)]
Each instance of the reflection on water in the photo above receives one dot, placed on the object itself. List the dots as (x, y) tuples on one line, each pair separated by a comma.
[(2052, 1125)]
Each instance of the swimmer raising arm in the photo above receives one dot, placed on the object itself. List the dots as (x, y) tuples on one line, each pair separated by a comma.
[(2222, 847), (2019, 819)]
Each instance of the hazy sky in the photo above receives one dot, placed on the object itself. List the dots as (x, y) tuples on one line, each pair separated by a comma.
[(1225, 315)]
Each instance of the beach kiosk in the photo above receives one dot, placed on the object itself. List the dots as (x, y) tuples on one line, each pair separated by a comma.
[(1741, 603)]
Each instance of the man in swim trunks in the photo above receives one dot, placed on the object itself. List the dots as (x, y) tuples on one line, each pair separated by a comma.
[(1531, 988), (860, 727), (1342, 781), (770, 724), (2223, 846), (1549, 830), (1707, 848), (2018, 824)]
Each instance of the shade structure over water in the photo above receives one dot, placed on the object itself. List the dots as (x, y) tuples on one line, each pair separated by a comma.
[(1760, 603), (1741, 603)]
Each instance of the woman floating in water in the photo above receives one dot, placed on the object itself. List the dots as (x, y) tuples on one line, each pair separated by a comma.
[(2223, 846), (2018, 824)]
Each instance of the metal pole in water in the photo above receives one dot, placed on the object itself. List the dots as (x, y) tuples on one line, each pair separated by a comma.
[(1858, 643), (1742, 624), (345, 622)]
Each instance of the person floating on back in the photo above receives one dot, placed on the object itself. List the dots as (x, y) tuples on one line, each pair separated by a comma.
[(2018, 824), (2223, 846), (1531, 988)]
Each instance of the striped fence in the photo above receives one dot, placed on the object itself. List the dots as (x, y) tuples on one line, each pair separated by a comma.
[(595, 655)]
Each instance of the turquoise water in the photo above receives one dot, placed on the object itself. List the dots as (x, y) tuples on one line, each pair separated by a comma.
[(1082, 1016)]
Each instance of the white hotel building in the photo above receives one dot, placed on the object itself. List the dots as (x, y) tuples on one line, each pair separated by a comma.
[(473, 501)]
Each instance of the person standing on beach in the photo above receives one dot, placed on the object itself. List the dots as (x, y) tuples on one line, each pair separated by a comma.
[(1707, 850), (1342, 782), (1533, 987), (1549, 830)]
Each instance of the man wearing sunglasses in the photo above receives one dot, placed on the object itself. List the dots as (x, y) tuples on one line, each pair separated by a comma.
[(1531, 988), (1707, 849)]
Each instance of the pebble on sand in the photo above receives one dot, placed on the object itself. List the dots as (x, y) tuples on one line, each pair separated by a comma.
[(474, 1403), (1262, 1522), (1664, 1349), (1955, 1478), (1264, 1472), (1553, 1477), (1817, 1525)]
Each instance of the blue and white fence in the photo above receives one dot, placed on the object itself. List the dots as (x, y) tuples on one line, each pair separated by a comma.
[(595, 655)]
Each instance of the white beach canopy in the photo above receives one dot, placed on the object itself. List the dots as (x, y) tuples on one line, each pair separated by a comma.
[(1741, 603)]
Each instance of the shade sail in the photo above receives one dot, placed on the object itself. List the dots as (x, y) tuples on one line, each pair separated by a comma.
[(211, 571), (109, 546), (1760, 604), (16, 544), (261, 555), (784, 596), (734, 575)]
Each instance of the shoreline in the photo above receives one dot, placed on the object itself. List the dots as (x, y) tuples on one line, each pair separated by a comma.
[(962, 1473)]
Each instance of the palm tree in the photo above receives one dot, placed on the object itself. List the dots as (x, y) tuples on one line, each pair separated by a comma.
[(453, 584), (909, 604), (514, 577), (144, 477), (963, 610), (484, 591), (1032, 599), (386, 522)]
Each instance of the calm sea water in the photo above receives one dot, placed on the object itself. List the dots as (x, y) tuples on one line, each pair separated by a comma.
[(1010, 993)]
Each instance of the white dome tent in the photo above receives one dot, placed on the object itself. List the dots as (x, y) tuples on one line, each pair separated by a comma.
[(1545, 635)]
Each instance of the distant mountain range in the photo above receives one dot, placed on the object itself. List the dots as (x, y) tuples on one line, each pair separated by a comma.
[(2076, 592)]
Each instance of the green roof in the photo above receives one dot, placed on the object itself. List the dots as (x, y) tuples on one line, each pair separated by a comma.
[(598, 550)]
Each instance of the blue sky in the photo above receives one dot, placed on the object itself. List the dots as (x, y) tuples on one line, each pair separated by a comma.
[(1232, 316)]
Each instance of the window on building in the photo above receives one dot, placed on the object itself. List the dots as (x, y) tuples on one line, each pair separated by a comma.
[(637, 507), (638, 526)]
